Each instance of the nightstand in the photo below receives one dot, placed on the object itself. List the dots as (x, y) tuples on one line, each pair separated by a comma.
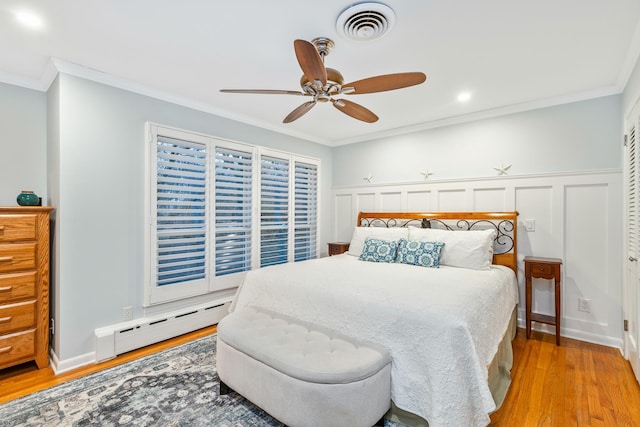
[(337, 248), (543, 268)]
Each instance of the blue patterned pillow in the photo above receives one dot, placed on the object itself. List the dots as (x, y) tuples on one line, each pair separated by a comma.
[(377, 250), (426, 254)]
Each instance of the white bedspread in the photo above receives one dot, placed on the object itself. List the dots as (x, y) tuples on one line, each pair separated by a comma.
[(442, 326)]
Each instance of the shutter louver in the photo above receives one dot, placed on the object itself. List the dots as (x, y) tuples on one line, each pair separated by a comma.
[(632, 195), (180, 211), (232, 211), (306, 211), (274, 211)]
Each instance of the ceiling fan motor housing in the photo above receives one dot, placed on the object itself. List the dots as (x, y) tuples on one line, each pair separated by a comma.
[(323, 94)]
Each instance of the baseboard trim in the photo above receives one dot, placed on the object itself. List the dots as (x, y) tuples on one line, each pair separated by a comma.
[(59, 366)]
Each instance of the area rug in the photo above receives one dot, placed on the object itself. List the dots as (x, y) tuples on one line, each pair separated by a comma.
[(176, 387)]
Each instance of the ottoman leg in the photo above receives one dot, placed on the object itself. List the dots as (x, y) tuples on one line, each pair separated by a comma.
[(224, 389)]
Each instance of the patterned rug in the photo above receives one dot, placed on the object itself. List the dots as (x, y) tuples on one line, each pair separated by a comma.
[(176, 387)]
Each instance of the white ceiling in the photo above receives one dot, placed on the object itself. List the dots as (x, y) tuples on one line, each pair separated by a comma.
[(510, 54)]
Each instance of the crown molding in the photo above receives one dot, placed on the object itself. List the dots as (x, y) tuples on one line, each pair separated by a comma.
[(114, 81), (486, 114)]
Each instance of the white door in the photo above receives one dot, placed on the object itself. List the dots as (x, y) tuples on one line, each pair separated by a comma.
[(631, 285)]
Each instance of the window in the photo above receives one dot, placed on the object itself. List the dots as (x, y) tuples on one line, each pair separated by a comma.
[(217, 209)]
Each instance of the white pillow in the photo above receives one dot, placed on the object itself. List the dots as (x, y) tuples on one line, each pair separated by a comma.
[(468, 249), (383, 233)]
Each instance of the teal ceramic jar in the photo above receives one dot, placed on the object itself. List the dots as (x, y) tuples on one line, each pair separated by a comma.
[(28, 198)]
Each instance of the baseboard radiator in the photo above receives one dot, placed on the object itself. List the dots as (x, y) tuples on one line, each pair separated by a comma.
[(123, 337)]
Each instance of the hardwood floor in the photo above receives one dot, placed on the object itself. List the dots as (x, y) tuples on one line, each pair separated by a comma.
[(576, 384)]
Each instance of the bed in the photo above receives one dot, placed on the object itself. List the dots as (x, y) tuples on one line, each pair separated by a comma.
[(448, 329)]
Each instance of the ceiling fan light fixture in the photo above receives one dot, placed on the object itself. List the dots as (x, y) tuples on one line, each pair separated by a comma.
[(365, 21)]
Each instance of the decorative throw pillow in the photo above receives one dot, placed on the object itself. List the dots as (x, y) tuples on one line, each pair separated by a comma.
[(377, 250), (425, 254), (360, 234)]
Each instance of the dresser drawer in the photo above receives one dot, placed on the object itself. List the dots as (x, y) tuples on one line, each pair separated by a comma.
[(17, 286), (16, 317), (17, 256), (17, 227), (17, 346)]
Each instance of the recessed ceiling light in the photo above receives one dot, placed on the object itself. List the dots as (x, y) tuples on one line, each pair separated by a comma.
[(464, 96), (29, 19)]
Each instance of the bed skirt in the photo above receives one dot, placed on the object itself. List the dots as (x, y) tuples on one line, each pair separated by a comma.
[(499, 378)]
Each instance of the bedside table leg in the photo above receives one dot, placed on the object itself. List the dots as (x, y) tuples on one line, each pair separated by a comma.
[(528, 305), (557, 311)]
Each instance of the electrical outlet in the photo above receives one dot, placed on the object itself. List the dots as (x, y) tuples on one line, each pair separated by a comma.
[(584, 304), (127, 313), (530, 224)]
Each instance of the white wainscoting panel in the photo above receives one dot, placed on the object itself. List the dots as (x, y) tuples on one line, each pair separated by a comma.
[(489, 199), (576, 216), (451, 200), (418, 201), (390, 200)]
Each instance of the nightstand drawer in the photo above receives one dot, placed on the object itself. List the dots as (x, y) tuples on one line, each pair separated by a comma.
[(17, 286), (17, 346), (543, 271), (18, 256), (17, 227), (16, 317), (338, 248)]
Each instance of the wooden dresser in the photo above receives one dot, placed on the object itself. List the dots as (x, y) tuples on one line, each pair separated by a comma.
[(24, 285)]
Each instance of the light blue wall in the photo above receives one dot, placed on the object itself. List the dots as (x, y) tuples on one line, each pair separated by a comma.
[(100, 221), (53, 189), (579, 136), (23, 143)]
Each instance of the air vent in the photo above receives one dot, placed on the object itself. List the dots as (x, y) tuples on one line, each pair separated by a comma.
[(366, 21)]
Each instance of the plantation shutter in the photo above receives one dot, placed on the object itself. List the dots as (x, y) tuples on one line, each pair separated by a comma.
[(181, 211), (306, 211), (274, 210), (233, 194)]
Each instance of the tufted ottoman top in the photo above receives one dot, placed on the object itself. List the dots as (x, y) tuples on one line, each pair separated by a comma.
[(303, 351)]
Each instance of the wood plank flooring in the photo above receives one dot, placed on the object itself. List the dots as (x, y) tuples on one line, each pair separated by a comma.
[(576, 384)]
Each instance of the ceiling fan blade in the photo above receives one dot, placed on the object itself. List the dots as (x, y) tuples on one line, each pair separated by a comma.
[(299, 112), (263, 91), (385, 82), (354, 110), (310, 61)]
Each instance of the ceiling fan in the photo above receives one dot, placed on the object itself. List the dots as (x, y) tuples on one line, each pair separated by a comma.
[(323, 84)]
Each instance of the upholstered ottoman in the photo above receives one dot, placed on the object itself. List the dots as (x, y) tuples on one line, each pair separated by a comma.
[(302, 374)]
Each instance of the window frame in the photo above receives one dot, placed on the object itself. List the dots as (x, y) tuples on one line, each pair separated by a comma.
[(154, 294)]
